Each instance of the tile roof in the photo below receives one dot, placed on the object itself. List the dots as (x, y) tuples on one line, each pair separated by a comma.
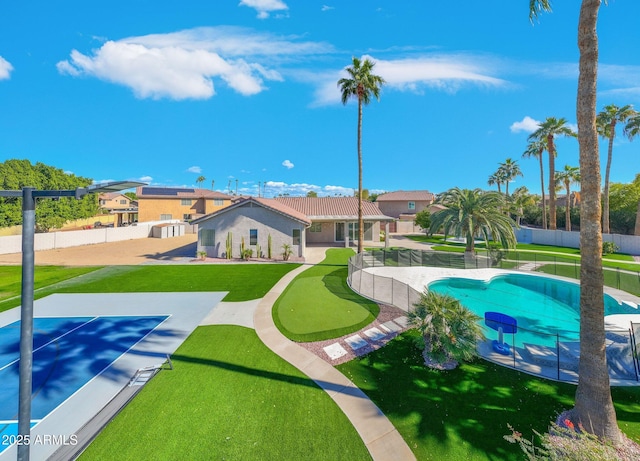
[(333, 207), (269, 203), (144, 192), (404, 195)]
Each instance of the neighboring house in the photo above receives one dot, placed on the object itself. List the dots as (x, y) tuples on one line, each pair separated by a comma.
[(295, 221), (403, 205), (124, 209), (256, 220), (185, 204)]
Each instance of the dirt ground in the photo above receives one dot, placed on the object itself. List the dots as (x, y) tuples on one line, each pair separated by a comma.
[(127, 252)]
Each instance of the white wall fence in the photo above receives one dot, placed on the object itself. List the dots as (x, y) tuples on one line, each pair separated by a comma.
[(629, 244), (54, 240)]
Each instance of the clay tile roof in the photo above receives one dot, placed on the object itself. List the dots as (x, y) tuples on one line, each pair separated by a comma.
[(269, 203), (333, 207), (406, 195), (178, 192)]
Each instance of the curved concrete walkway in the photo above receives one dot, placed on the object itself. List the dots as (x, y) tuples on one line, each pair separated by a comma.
[(382, 440)]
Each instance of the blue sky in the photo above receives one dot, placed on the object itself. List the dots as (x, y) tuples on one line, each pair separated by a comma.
[(244, 92)]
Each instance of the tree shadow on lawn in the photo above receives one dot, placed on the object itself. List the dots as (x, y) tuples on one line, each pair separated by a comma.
[(472, 404), (336, 283)]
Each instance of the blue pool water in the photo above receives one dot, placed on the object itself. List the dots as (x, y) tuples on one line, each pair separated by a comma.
[(543, 307), (67, 353)]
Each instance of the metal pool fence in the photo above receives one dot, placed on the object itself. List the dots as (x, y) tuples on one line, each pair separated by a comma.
[(544, 354)]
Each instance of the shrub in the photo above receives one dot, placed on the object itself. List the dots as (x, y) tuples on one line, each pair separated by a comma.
[(609, 248)]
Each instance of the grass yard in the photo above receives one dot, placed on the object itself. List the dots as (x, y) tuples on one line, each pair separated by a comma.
[(11, 280), (463, 414), (242, 281), (318, 304), (229, 397)]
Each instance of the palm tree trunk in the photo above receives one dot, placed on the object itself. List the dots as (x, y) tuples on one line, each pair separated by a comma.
[(360, 219), (567, 211), (544, 198), (552, 186), (593, 405), (605, 197), (637, 229)]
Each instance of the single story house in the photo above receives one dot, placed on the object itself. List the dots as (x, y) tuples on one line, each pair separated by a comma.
[(295, 221)]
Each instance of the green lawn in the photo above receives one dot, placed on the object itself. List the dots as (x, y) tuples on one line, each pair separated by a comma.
[(318, 304), (11, 280), (229, 397), (242, 281), (463, 414)]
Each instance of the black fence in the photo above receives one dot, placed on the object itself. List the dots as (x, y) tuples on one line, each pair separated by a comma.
[(551, 355)]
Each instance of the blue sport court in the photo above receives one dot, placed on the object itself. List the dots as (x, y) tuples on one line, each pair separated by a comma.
[(68, 352)]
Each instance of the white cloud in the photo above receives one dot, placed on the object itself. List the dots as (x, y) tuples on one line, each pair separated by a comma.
[(194, 169), (264, 7), (145, 179), (5, 69), (327, 8), (446, 73), (185, 64), (527, 124), (287, 164), (276, 188)]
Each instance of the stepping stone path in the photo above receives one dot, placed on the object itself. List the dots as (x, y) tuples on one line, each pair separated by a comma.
[(372, 337)]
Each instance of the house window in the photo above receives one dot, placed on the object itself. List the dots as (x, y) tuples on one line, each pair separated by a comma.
[(253, 236), (368, 230), (186, 217), (103, 202), (185, 202), (207, 237), (412, 205), (296, 236), (218, 201), (316, 227), (123, 202), (165, 217)]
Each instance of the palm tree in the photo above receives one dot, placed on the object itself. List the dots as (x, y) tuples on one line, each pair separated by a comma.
[(606, 122), (548, 131), (361, 84), (200, 180), (535, 149), (568, 176), (593, 404), (510, 170), (519, 200), (450, 331), (472, 213), (631, 130), (496, 178)]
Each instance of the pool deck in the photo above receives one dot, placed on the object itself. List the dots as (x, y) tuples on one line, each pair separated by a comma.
[(186, 311), (532, 361)]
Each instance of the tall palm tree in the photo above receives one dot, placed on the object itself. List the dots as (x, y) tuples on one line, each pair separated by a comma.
[(593, 405), (568, 176), (535, 149), (548, 131), (497, 179), (510, 170), (631, 130), (471, 213), (361, 84), (606, 121), (519, 200), (200, 180)]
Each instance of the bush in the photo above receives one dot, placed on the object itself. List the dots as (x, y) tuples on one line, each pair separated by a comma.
[(609, 248)]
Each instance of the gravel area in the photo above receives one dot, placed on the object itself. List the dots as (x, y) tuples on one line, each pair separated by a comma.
[(386, 314)]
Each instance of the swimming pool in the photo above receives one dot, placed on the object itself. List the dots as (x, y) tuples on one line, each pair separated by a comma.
[(545, 308), (68, 352)]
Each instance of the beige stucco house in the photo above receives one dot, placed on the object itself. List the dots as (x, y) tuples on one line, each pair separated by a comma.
[(184, 204), (403, 206), (295, 221)]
